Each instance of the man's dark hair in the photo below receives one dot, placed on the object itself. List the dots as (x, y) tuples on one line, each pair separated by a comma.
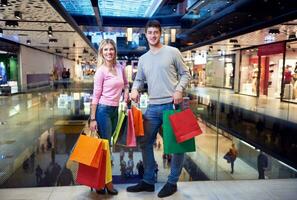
[(153, 23)]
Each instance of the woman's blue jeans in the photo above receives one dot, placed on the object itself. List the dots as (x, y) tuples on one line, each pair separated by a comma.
[(153, 119), (107, 118)]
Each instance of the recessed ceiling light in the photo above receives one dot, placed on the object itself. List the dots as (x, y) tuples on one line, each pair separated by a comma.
[(50, 31), (12, 23), (53, 40), (28, 42), (3, 3), (85, 51), (292, 36), (273, 31), (18, 14), (233, 41)]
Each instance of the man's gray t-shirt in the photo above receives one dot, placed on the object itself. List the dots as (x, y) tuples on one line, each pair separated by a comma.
[(165, 73)]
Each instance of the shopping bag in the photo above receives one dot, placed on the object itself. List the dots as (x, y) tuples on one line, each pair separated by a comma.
[(122, 137), (87, 151), (138, 121), (131, 138), (108, 170), (117, 131), (184, 125), (169, 141), (92, 176), (228, 157)]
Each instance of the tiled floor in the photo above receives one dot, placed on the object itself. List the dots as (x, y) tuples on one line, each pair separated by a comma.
[(206, 190)]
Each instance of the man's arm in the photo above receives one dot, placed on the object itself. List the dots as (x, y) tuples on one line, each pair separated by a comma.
[(184, 77), (183, 72), (138, 83)]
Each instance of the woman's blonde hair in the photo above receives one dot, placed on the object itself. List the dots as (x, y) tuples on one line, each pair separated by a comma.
[(100, 52)]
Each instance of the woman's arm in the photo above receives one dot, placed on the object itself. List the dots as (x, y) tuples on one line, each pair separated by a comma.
[(97, 92)]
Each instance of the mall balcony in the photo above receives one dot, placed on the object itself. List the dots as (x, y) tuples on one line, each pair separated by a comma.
[(237, 54)]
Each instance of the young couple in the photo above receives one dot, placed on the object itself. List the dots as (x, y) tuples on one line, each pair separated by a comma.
[(167, 76)]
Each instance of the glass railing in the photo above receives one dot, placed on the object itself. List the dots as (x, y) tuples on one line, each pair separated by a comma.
[(252, 124), (39, 127)]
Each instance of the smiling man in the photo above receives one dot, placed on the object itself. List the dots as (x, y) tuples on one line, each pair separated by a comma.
[(167, 77)]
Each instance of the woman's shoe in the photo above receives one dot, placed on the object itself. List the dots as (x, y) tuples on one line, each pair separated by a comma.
[(101, 191), (112, 191)]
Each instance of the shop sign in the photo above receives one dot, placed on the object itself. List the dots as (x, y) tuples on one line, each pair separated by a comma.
[(271, 49)]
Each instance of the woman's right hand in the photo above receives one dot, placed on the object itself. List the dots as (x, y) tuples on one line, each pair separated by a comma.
[(93, 126)]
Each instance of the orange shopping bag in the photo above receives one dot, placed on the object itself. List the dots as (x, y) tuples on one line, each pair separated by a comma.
[(138, 121), (87, 151)]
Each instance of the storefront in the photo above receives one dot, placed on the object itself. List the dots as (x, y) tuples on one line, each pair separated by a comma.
[(290, 73), (270, 70), (9, 68), (220, 71), (249, 70)]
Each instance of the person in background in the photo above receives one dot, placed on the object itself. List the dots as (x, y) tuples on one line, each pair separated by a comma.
[(130, 166), (109, 82), (233, 155), (38, 174), (68, 76), (55, 78), (64, 77), (167, 76), (262, 164), (140, 169)]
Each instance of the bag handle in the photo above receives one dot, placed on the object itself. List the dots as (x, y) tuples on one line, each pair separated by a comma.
[(175, 106)]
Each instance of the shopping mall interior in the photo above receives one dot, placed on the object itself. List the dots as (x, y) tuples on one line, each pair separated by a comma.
[(242, 57)]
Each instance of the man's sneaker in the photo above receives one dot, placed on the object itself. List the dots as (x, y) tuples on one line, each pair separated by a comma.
[(167, 190), (141, 186)]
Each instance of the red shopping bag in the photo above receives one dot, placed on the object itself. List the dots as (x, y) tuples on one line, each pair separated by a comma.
[(184, 125), (131, 138), (92, 176)]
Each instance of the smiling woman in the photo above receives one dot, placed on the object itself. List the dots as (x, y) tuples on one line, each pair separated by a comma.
[(109, 82)]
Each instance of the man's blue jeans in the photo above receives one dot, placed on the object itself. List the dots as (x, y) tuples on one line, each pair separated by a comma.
[(107, 118), (153, 119)]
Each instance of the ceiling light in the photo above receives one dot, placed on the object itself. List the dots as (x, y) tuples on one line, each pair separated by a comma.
[(166, 38), (273, 31), (11, 23), (50, 31), (53, 40), (129, 34), (173, 35), (292, 36), (28, 42), (233, 41), (236, 46), (85, 51), (3, 3), (18, 14)]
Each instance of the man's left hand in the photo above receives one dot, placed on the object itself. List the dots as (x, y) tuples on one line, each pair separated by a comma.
[(177, 97)]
